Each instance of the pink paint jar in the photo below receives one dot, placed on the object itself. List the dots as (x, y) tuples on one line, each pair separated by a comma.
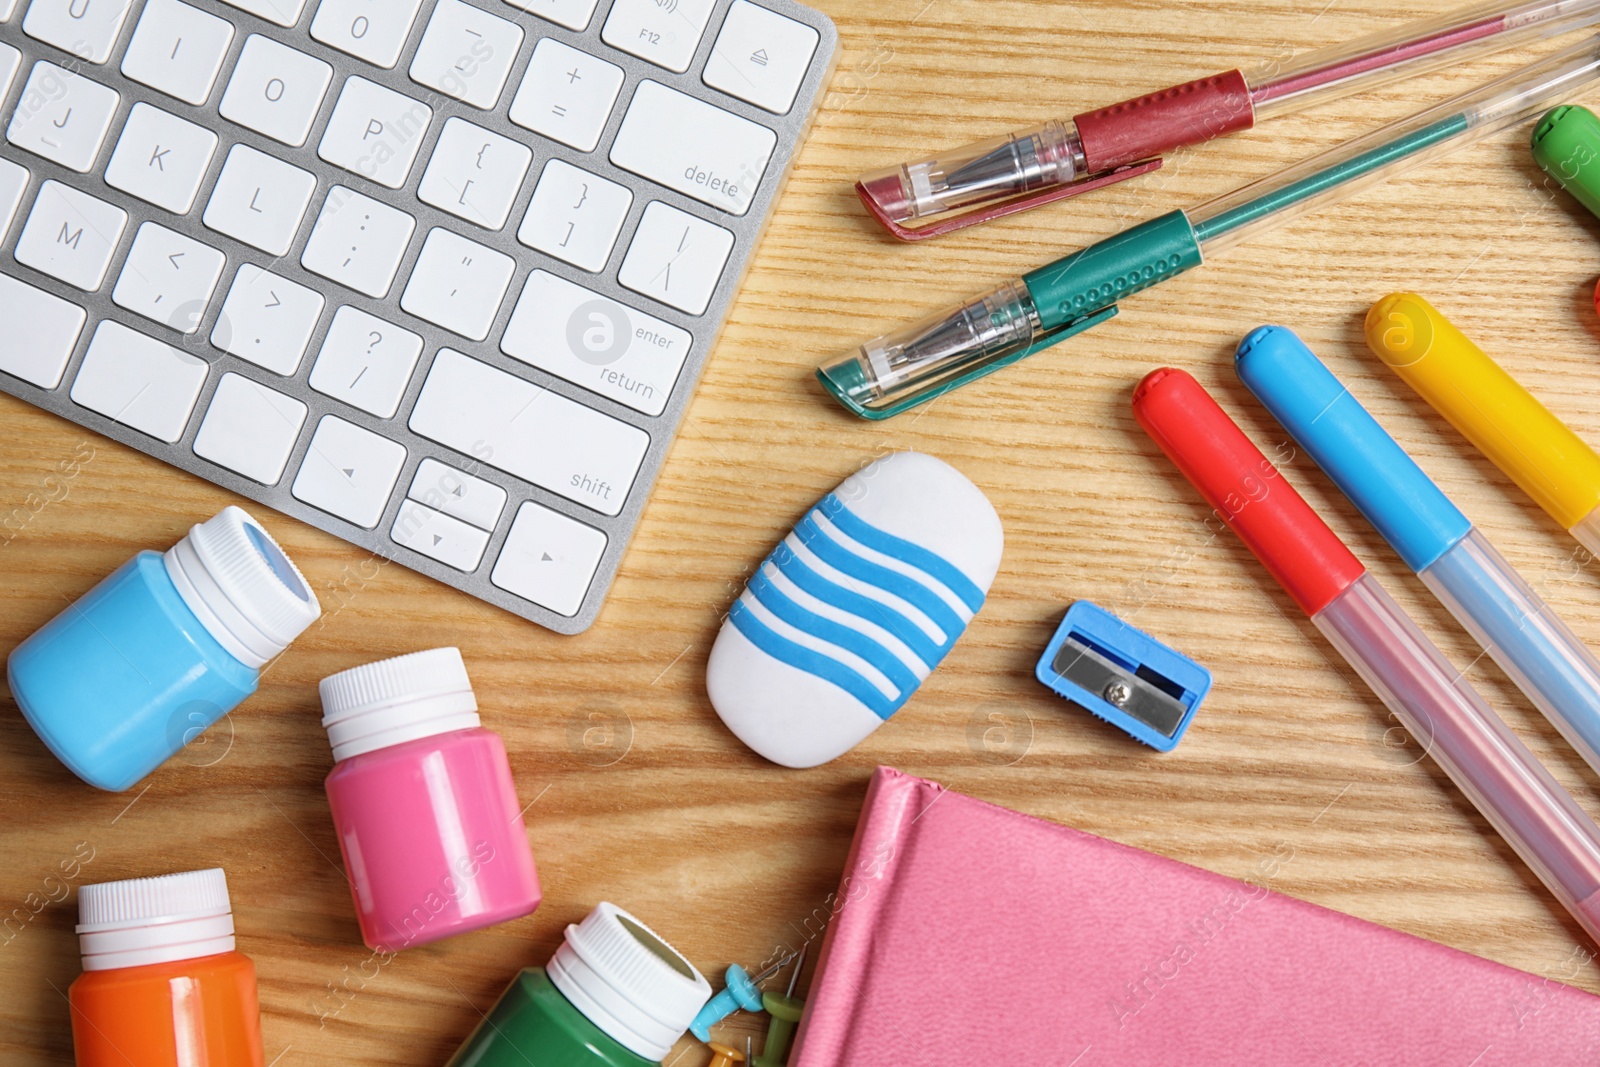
[(422, 798)]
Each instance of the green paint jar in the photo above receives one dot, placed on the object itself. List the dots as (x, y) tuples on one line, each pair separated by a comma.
[(613, 995)]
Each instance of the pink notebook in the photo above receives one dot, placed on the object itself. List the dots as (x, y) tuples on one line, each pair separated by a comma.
[(970, 935)]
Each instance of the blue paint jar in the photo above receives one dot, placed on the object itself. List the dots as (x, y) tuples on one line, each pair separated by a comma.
[(142, 663)]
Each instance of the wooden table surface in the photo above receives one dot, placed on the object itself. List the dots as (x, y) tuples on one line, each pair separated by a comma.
[(636, 792)]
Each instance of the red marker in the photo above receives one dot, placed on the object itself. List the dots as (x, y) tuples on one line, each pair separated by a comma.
[(1442, 711)]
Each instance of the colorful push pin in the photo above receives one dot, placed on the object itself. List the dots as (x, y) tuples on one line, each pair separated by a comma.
[(740, 992), (723, 1056), (785, 1009)]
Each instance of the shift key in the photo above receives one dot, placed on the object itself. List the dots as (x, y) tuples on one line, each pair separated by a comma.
[(693, 147), (529, 432)]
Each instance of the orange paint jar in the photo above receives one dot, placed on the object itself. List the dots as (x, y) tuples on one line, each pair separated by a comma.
[(162, 984)]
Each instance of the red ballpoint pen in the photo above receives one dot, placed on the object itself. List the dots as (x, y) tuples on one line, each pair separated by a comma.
[(1005, 175)]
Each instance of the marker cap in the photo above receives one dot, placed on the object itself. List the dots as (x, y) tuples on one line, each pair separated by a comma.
[(1500, 417), (1566, 145), (1365, 463), (1249, 494)]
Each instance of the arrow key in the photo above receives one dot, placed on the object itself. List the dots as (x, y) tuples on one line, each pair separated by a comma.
[(349, 472), (458, 494), (438, 536), (549, 559)]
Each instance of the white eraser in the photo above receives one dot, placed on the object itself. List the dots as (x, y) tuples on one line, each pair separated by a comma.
[(852, 610)]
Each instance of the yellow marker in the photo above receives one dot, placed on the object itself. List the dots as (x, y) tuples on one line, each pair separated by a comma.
[(1501, 418)]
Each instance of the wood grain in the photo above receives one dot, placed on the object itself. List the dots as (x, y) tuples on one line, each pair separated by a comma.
[(637, 794)]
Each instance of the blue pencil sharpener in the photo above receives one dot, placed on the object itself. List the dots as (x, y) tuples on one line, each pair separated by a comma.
[(1123, 675)]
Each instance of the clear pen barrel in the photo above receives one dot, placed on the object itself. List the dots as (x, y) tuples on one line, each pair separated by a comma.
[(1450, 722), (984, 173), (1365, 161), (1588, 533), (939, 347), (1315, 77), (1518, 629)]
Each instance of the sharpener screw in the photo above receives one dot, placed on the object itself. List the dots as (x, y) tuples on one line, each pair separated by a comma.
[(1117, 694)]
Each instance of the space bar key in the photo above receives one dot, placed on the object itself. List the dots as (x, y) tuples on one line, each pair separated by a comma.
[(529, 432)]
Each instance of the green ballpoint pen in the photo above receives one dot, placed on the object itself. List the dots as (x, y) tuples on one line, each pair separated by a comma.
[(900, 370)]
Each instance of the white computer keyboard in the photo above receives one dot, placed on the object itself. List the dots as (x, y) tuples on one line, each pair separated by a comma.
[(435, 276)]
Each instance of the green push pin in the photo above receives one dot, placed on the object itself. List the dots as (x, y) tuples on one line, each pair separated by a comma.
[(785, 1009)]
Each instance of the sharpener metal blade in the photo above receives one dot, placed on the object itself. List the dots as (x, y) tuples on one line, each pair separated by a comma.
[(1083, 666)]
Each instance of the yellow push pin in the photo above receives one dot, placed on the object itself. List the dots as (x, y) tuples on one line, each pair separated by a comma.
[(785, 1009), (723, 1056)]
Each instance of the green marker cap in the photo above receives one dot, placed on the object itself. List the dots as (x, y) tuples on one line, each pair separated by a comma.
[(1566, 144)]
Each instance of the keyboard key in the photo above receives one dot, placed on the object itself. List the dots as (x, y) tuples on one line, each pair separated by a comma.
[(566, 94), (41, 331), (7, 9), (139, 382), (10, 63), (666, 34), (86, 28), (375, 32), (438, 536), (70, 235), (366, 362), (267, 320), (466, 53), (62, 116), (275, 90), (573, 14), (358, 241), (575, 216), (693, 147), (250, 429), (596, 343), (529, 432), (13, 183), (168, 278), (349, 472), (375, 132), (675, 258), (458, 284), (474, 174), (458, 494), (281, 12), (259, 199), (761, 57), (178, 50), (549, 559), (161, 158)]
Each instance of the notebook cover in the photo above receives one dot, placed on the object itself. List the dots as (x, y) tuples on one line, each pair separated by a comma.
[(963, 933)]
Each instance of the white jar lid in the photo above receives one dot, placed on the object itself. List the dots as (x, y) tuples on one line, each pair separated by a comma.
[(154, 920), (241, 586), (628, 982), (397, 700)]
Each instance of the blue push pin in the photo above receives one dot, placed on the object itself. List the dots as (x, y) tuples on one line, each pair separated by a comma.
[(740, 992)]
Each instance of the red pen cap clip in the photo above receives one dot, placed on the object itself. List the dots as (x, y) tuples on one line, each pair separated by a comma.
[(1248, 493)]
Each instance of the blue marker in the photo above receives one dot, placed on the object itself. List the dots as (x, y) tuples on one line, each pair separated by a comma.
[(1431, 535)]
